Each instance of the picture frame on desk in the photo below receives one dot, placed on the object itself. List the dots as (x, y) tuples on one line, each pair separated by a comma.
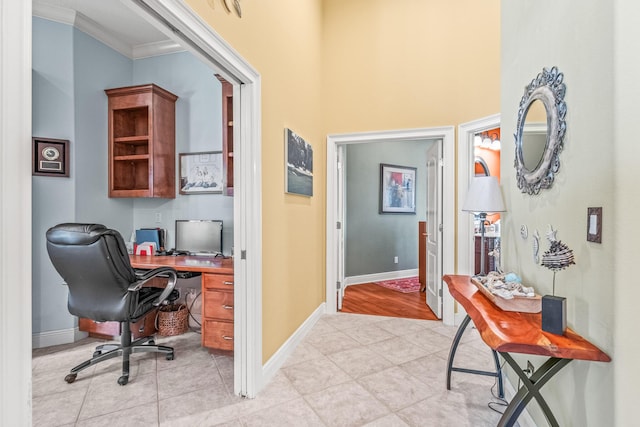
[(201, 173)]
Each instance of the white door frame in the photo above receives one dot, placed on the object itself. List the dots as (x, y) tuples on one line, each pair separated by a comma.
[(466, 159), (179, 22), (446, 133), (15, 213)]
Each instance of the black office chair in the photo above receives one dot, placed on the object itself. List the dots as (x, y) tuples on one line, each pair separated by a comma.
[(94, 263)]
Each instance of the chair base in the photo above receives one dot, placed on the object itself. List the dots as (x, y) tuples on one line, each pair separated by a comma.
[(125, 349)]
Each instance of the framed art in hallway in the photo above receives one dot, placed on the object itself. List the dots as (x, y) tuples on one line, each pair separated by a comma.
[(299, 164), (397, 189)]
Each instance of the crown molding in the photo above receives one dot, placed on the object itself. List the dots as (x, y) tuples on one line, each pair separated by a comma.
[(156, 48), (100, 33), (54, 13)]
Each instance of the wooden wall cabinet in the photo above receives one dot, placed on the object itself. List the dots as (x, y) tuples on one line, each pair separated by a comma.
[(217, 311), (227, 134), (142, 142)]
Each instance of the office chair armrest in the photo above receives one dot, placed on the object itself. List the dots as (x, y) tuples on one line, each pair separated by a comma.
[(168, 272)]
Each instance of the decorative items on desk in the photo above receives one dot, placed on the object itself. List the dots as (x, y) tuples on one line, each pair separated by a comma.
[(554, 308)]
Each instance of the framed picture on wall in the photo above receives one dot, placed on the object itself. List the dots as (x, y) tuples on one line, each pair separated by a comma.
[(299, 164), (201, 173), (50, 157), (397, 189)]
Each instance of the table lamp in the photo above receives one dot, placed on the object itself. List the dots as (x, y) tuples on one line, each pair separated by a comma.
[(483, 197)]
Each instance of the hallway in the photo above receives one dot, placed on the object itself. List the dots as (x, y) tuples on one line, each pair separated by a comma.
[(350, 370)]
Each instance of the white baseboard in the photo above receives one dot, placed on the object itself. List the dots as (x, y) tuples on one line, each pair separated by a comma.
[(378, 277), (276, 361), (62, 336), (524, 420)]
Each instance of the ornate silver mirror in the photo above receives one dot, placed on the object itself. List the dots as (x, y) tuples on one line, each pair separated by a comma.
[(540, 131)]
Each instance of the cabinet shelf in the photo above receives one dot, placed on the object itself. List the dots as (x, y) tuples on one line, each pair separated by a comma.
[(134, 140), (133, 157)]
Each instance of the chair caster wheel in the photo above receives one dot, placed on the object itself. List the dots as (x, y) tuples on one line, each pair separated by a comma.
[(70, 378), (123, 380), (169, 356)]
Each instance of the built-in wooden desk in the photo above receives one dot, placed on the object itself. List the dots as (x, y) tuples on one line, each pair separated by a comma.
[(515, 332), (199, 264), (217, 292)]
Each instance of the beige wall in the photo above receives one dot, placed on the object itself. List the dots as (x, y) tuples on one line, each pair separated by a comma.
[(408, 64), (283, 43), (544, 34), (335, 66)]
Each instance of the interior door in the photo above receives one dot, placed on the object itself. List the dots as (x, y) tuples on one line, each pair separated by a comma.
[(434, 228), (340, 152)]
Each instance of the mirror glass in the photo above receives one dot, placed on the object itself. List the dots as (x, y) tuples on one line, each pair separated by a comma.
[(540, 131), (534, 136)]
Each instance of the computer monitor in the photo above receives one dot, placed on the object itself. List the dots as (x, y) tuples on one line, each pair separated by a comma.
[(199, 237)]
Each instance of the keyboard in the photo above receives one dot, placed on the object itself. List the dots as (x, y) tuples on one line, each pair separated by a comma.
[(181, 274)]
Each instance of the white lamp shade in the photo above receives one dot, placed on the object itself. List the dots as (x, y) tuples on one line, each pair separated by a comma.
[(484, 196)]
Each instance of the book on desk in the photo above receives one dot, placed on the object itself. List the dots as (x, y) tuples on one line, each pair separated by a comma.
[(154, 236)]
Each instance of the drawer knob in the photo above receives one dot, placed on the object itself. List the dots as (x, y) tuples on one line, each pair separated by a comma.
[(227, 307), (228, 338), (228, 283)]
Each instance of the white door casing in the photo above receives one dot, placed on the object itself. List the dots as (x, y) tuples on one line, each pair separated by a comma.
[(434, 220), (340, 224), (466, 160), (445, 133)]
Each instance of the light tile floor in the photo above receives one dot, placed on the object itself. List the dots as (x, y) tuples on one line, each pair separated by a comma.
[(350, 370)]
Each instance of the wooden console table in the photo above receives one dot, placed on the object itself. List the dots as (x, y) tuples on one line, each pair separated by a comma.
[(515, 332)]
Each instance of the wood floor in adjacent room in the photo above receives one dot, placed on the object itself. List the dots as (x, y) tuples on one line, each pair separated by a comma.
[(369, 298)]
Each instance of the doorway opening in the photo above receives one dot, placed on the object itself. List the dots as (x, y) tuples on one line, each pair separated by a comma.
[(387, 194), (180, 23), (470, 146), (443, 224)]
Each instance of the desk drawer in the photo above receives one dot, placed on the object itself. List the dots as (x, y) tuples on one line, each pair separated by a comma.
[(218, 304), (217, 335), (217, 281)]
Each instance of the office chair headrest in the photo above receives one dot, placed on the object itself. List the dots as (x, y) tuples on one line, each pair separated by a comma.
[(75, 234)]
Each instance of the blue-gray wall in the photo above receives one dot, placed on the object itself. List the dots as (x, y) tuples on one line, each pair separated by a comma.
[(53, 199), (198, 128), (372, 240), (70, 72)]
